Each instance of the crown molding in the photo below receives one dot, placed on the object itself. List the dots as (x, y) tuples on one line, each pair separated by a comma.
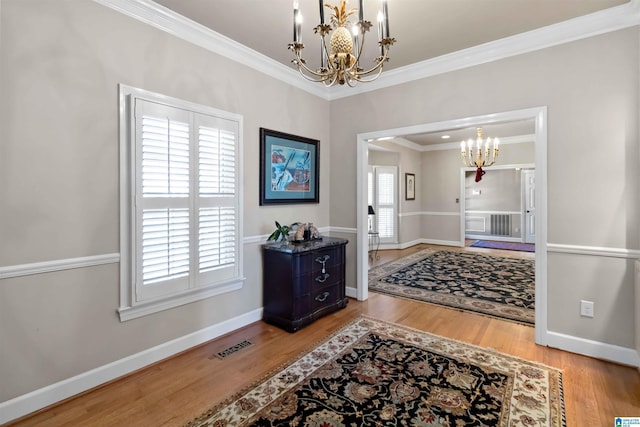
[(605, 21), (165, 19), (608, 20)]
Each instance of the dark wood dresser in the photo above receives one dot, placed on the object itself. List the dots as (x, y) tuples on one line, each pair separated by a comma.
[(302, 281)]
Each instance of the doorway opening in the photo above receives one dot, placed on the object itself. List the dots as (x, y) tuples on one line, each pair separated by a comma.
[(499, 208), (539, 116)]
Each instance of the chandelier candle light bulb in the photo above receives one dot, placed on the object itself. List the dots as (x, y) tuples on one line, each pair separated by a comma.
[(356, 31), (385, 13), (380, 19), (297, 23)]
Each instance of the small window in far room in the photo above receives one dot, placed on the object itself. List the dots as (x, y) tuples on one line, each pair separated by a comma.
[(382, 195)]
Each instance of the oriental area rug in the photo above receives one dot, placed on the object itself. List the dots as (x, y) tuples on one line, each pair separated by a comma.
[(495, 286), (378, 373)]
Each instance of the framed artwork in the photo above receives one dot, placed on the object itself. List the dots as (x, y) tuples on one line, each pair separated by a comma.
[(409, 186), (289, 168)]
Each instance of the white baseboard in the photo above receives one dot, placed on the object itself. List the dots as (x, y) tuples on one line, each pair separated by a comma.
[(596, 349), (441, 242), (351, 292), (494, 238), (406, 245), (41, 398)]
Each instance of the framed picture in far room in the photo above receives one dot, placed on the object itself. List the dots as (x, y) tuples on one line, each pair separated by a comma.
[(409, 186), (289, 168)]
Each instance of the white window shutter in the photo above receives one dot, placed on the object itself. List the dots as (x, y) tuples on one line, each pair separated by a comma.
[(165, 157), (165, 244), (386, 202), (186, 202), (218, 203), (217, 160), (216, 238)]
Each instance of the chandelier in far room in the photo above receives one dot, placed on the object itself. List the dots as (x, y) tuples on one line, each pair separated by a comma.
[(340, 60), (486, 153)]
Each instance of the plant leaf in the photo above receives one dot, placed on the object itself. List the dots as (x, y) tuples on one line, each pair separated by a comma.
[(274, 235)]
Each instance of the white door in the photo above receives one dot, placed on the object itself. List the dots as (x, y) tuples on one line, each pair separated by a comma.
[(529, 177)]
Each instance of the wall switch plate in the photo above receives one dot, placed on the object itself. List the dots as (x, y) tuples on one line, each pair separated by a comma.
[(586, 308)]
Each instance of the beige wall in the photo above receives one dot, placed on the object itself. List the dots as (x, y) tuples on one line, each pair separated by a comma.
[(61, 63), (499, 190), (384, 158), (61, 66), (591, 90)]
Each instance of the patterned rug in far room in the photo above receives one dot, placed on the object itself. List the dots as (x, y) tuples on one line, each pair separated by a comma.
[(494, 286)]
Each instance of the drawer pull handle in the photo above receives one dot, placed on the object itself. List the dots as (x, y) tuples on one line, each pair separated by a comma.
[(322, 278), (323, 297), (322, 260)]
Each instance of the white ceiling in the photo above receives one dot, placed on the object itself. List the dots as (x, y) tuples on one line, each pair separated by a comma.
[(424, 29), (493, 130)]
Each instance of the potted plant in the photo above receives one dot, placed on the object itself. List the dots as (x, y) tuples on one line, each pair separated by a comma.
[(282, 232)]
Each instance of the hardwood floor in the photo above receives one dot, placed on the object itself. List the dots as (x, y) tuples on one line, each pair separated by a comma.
[(172, 392)]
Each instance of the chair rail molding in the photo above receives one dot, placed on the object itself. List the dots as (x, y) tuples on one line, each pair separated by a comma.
[(57, 265), (593, 251), (428, 213)]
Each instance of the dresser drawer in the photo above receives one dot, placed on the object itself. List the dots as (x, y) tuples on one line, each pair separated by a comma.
[(324, 297), (330, 276), (323, 260)]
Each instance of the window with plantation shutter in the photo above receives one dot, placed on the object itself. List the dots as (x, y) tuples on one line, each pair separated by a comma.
[(382, 193), (370, 187), (180, 202)]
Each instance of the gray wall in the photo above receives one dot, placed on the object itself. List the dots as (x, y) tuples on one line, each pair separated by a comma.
[(591, 90), (61, 64), (383, 158), (499, 190)]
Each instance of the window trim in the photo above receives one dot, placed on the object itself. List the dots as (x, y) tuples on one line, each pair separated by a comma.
[(129, 308)]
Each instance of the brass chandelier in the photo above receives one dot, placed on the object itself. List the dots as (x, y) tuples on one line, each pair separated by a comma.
[(341, 62), (483, 157)]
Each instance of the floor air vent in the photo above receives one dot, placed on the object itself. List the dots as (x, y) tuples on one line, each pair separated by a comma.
[(229, 351)]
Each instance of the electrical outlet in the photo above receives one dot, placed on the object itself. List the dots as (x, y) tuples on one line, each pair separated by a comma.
[(586, 308)]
